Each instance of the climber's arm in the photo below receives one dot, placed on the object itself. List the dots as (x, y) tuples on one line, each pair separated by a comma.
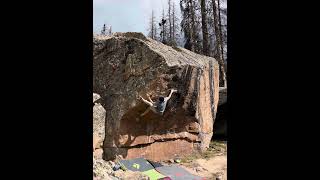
[(146, 101), (150, 98), (172, 91)]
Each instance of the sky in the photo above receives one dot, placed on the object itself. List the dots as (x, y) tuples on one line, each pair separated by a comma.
[(127, 15)]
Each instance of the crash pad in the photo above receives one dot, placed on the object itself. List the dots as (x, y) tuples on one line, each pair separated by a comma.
[(153, 174), (155, 164), (138, 164), (177, 173)]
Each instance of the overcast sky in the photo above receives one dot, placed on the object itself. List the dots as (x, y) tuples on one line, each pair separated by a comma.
[(127, 15)]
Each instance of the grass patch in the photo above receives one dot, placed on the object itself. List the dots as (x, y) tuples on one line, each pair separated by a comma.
[(215, 147), (191, 157), (222, 145)]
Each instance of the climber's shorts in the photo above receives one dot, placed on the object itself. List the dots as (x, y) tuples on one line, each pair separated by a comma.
[(153, 109)]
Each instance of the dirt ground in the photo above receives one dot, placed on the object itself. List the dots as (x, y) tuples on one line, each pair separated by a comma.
[(211, 164), (211, 168)]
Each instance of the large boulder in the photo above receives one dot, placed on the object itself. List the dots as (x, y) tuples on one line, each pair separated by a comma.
[(127, 65), (99, 115)]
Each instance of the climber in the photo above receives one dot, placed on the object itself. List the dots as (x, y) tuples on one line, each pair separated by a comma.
[(159, 106)]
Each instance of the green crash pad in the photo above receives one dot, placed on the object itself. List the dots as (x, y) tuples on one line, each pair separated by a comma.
[(138, 164), (153, 174)]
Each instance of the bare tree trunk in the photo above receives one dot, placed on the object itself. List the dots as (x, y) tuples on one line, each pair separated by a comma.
[(103, 31), (152, 28), (204, 28), (170, 22), (155, 33), (163, 28), (192, 29), (173, 23), (220, 26), (110, 30), (219, 43)]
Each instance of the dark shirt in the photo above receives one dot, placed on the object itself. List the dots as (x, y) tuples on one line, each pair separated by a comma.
[(161, 106)]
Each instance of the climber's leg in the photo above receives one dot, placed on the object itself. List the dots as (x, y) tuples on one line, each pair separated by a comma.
[(148, 109), (153, 109), (146, 101)]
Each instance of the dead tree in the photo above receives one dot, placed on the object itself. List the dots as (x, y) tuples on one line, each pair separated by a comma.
[(219, 45), (192, 29), (174, 25), (103, 31), (152, 28), (205, 48), (170, 21), (110, 30), (163, 32)]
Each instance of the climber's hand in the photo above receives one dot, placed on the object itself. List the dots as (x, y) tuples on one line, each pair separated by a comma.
[(174, 90)]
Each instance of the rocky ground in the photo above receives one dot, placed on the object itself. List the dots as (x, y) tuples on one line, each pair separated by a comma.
[(211, 164), (102, 170)]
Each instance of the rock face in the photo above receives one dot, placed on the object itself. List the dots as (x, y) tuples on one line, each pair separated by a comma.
[(222, 96), (220, 125), (99, 114), (127, 65)]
